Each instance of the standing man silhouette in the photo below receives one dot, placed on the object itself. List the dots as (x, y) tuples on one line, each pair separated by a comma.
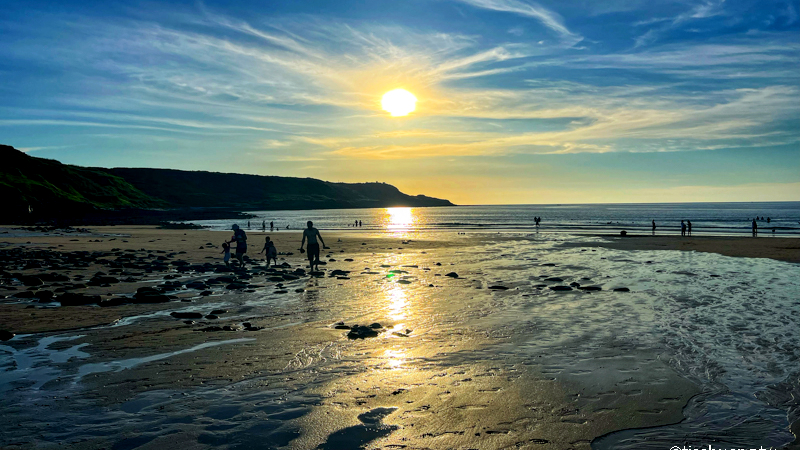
[(312, 234)]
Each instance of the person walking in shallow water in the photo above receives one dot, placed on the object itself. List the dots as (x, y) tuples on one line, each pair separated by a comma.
[(312, 234), (683, 228), (688, 227)]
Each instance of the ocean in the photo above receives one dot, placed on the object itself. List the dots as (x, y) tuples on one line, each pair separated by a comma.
[(780, 218)]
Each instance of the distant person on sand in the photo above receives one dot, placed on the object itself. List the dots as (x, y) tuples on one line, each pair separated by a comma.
[(359, 223), (240, 237), (226, 250), (312, 234), (683, 228), (689, 227), (755, 228), (270, 251), (248, 224)]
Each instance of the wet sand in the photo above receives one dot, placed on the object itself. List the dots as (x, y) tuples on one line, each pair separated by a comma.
[(764, 246), (492, 358)]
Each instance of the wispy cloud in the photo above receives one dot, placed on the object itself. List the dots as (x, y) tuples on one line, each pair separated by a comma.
[(548, 18)]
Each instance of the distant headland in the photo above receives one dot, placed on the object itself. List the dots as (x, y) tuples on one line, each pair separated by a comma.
[(38, 189)]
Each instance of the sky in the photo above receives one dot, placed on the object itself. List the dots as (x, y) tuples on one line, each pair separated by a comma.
[(519, 102)]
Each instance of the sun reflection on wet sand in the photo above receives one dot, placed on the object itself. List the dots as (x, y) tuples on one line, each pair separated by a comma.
[(397, 302), (395, 359)]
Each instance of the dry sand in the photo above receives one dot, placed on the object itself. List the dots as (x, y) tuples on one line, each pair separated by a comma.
[(446, 383)]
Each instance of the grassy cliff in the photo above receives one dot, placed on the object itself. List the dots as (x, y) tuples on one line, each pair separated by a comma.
[(43, 187), (37, 188), (254, 192)]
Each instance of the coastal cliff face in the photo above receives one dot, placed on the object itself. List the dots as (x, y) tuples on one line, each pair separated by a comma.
[(38, 188)]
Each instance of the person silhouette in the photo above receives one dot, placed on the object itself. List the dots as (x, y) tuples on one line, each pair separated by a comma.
[(654, 227), (755, 228), (683, 228), (689, 227), (271, 226), (313, 246)]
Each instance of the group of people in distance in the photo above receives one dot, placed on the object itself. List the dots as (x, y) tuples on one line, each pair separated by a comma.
[(240, 238), (686, 227)]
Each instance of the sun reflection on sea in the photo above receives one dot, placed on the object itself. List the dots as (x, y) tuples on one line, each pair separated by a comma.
[(399, 219)]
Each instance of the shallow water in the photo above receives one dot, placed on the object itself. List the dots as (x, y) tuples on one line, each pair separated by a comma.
[(706, 218), (727, 325)]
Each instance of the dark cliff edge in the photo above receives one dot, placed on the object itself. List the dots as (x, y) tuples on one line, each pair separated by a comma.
[(37, 189)]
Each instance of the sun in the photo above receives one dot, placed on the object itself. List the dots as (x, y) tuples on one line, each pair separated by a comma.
[(399, 102)]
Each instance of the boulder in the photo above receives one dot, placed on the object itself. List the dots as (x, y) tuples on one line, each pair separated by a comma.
[(451, 275), (6, 335), (186, 315), (561, 288), (361, 332), (28, 280), (73, 299)]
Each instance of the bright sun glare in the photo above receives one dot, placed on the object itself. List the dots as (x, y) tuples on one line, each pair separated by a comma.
[(398, 102)]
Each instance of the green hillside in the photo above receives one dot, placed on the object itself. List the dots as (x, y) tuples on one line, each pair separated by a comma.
[(254, 192), (38, 186)]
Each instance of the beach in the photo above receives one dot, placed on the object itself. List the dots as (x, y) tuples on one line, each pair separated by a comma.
[(477, 340)]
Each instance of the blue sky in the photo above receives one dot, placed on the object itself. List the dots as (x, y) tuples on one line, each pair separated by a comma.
[(519, 101)]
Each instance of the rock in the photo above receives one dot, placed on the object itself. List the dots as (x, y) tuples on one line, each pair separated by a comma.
[(590, 288), (72, 299), (561, 288), (208, 329), (186, 315), (553, 279), (25, 294), (28, 280), (199, 285), (375, 325), (238, 285), (6, 335), (499, 288), (116, 301), (451, 275), (361, 332), (575, 284), (44, 296), (206, 293), (299, 290), (219, 311), (212, 317), (149, 295), (623, 233), (97, 280), (622, 289)]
